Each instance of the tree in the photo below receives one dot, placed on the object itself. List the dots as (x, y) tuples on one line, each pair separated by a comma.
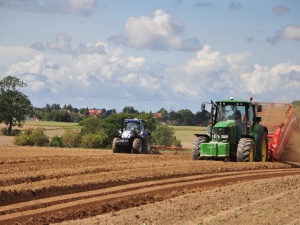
[(129, 109), (14, 105), (164, 135)]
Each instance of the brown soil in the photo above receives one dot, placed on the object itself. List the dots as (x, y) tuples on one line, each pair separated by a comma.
[(80, 186)]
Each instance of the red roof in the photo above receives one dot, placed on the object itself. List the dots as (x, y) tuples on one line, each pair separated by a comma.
[(157, 115), (95, 112)]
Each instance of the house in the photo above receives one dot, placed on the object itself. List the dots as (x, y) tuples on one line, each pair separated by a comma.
[(95, 112), (157, 115)]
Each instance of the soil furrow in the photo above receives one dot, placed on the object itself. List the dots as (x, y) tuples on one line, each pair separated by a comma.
[(125, 194)]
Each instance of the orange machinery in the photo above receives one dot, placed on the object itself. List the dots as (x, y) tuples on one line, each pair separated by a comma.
[(281, 120)]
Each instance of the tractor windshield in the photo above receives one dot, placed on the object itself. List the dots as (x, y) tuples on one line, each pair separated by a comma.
[(133, 126), (230, 111)]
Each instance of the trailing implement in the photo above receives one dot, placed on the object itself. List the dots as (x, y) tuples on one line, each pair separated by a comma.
[(133, 138), (234, 133), (281, 120)]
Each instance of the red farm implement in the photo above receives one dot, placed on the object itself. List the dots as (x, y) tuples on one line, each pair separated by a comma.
[(281, 120)]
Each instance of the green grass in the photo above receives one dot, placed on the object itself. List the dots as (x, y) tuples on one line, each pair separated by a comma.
[(53, 124), (186, 133)]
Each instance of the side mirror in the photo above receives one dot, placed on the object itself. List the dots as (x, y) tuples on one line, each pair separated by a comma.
[(258, 119), (259, 108), (202, 106)]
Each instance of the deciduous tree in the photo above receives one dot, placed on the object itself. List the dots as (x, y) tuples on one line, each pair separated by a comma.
[(14, 105)]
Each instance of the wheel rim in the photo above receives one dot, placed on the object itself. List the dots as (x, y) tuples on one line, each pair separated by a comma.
[(264, 154)]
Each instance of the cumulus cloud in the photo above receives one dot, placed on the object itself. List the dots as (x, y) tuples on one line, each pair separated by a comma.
[(159, 33), (62, 43), (87, 48), (288, 33), (13, 54), (294, 75), (291, 32), (82, 7), (280, 9), (115, 80), (265, 82)]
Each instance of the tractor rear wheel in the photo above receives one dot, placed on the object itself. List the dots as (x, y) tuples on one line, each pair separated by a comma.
[(245, 150), (262, 147), (197, 145), (147, 145), (114, 147), (137, 146)]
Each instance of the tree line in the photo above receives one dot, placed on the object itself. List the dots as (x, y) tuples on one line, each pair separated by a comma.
[(68, 113)]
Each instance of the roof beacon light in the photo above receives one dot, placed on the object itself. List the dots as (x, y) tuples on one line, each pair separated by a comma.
[(231, 98)]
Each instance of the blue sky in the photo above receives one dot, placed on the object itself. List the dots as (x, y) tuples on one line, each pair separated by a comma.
[(151, 54)]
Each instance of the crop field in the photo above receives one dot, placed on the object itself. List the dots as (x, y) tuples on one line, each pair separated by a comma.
[(44, 185)]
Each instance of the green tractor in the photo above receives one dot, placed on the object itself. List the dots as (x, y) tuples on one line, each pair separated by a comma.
[(234, 133)]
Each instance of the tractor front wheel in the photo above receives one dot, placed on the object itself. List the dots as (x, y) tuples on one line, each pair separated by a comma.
[(137, 146), (114, 147), (245, 150), (197, 146)]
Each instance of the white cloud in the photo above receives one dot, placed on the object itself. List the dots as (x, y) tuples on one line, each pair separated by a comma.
[(288, 33), (87, 48), (291, 32), (206, 61), (13, 54), (274, 83), (115, 80), (62, 43), (162, 32)]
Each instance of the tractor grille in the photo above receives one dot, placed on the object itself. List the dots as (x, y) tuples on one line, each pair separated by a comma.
[(222, 133)]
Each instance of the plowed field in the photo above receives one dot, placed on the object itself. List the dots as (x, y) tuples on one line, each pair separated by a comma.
[(80, 186)]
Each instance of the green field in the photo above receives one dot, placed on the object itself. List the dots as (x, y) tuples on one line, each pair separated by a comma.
[(186, 133), (60, 125)]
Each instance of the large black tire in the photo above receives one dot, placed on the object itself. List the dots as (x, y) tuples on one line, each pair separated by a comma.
[(137, 146), (245, 150), (114, 147), (196, 146), (262, 147), (147, 145)]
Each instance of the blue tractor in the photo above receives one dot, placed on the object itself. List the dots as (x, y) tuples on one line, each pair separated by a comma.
[(133, 138)]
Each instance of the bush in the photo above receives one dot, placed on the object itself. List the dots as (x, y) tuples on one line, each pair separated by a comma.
[(71, 138), (164, 135), (177, 143), (56, 141), (93, 140), (39, 138), (23, 140), (32, 137)]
